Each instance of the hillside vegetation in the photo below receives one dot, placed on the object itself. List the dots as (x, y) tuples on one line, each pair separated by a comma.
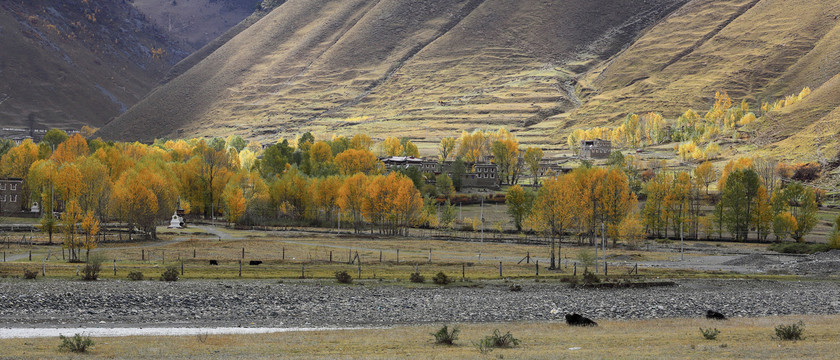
[(541, 69), (413, 67)]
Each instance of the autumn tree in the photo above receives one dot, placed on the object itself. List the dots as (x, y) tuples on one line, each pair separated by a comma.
[(75, 147), (653, 214), (352, 197), (324, 193), (90, 227), (800, 202), (473, 147), (446, 148), (616, 200), (551, 211), (320, 159), (354, 161), (506, 156), (533, 157), (361, 142), (392, 147), (69, 218), (234, 202), (16, 162), (705, 175)]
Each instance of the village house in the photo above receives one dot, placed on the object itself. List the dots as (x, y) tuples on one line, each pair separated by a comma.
[(11, 191), (595, 149)]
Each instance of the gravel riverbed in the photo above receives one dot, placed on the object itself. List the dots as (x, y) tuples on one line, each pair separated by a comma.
[(307, 304)]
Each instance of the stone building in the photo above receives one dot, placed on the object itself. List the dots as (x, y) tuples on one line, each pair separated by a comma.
[(595, 149), (11, 191)]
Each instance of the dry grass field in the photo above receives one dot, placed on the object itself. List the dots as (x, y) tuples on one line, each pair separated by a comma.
[(750, 338)]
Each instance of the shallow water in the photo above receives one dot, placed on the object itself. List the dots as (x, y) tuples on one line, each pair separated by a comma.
[(13, 333)]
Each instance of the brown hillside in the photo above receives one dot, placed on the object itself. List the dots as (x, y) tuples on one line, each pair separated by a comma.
[(195, 22), (393, 67), (71, 63), (751, 49)]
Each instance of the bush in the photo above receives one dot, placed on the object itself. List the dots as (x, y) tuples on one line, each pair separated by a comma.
[(798, 248), (789, 332), (171, 274), (343, 277), (135, 275), (91, 270), (77, 343), (710, 334), (497, 340), (441, 279), (416, 278), (446, 336), (590, 278), (30, 274)]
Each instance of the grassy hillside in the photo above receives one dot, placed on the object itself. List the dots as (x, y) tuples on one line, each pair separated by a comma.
[(757, 50), (415, 68), (75, 63)]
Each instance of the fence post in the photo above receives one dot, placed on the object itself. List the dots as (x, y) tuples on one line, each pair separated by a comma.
[(575, 273), (240, 268), (528, 258), (243, 253), (398, 256), (360, 270), (44, 268), (283, 257), (380, 256), (30, 255), (430, 255), (182, 268), (142, 254), (500, 269), (163, 256), (463, 271), (193, 253), (330, 255), (538, 268), (115, 267)]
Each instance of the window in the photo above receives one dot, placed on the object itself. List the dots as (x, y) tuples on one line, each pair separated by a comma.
[(14, 186), (3, 198), (13, 197), (2, 186)]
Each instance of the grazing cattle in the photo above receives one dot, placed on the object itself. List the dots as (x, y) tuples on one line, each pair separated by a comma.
[(710, 314), (579, 320), (214, 262), (254, 262)]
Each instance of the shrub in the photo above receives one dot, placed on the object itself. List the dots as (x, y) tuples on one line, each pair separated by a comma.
[(446, 336), (710, 334), (171, 274), (515, 288), (91, 270), (416, 278), (441, 279), (590, 278), (135, 275), (343, 277), (77, 343), (497, 340), (798, 248), (789, 332), (30, 274)]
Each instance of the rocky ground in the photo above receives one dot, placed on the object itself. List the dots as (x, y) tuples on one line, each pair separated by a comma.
[(307, 303)]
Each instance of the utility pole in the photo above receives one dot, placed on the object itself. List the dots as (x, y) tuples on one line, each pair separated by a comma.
[(604, 246)]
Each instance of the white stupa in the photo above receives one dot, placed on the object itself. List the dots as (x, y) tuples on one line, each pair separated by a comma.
[(176, 222), (35, 208)]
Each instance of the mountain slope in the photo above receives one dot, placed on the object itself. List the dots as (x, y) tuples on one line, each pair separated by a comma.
[(69, 64), (406, 66)]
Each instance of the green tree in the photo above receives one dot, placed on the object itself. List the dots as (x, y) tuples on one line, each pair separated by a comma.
[(533, 157), (801, 202), (738, 199), (459, 169), (519, 202), (274, 160), (443, 185), (54, 137)]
